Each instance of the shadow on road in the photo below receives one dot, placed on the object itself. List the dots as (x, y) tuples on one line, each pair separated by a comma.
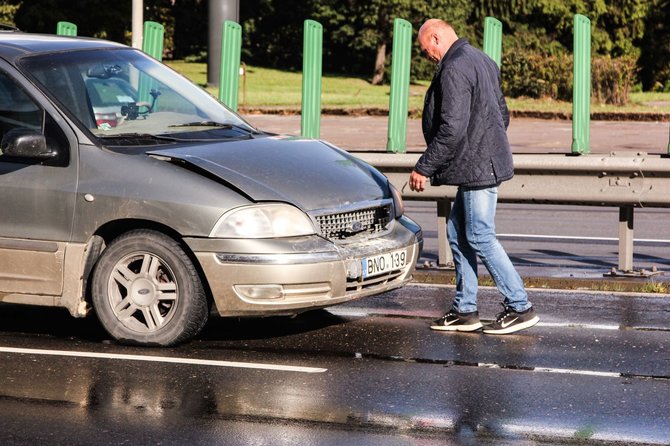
[(57, 322)]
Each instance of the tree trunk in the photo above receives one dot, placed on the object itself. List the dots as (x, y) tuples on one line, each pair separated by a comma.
[(380, 61)]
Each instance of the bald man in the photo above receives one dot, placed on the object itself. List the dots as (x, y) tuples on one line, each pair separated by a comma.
[(464, 123)]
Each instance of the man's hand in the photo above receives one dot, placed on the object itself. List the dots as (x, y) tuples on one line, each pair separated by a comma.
[(417, 182)]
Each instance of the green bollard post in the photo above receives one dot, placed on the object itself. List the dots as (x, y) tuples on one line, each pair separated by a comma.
[(398, 100), (493, 39), (152, 43), (229, 80), (581, 90), (66, 29), (312, 58)]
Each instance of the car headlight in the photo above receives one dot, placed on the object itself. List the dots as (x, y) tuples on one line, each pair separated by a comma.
[(398, 204), (263, 221)]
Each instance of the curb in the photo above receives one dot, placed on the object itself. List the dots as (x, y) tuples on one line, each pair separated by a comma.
[(416, 113), (645, 285)]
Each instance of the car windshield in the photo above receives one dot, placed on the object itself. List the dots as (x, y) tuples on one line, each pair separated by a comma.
[(117, 93)]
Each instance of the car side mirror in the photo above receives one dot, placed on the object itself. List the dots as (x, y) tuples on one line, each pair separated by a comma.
[(25, 143)]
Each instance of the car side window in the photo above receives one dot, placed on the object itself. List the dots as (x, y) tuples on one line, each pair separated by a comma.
[(19, 111)]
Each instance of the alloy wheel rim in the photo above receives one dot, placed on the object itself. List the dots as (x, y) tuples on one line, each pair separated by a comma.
[(143, 292)]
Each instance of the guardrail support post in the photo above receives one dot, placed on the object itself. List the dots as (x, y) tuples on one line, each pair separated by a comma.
[(399, 96), (312, 55), (493, 39), (444, 255), (66, 29), (626, 214), (229, 79), (581, 90)]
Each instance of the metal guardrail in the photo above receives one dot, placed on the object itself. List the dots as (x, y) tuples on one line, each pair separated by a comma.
[(623, 180)]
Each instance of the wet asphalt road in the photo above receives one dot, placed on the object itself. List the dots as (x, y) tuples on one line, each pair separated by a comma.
[(596, 370), (563, 241)]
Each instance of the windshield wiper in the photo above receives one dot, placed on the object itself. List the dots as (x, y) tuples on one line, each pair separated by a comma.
[(203, 124), (221, 125), (132, 139)]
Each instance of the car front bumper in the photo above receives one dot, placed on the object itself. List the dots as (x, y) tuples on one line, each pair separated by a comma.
[(275, 277)]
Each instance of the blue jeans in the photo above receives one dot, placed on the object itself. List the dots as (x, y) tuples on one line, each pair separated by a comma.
[(471, 233)]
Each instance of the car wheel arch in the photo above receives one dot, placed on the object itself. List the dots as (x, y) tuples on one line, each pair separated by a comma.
[(145, 289), (112, 230)]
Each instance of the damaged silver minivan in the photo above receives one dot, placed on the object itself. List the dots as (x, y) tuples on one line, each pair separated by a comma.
[(128, 190)]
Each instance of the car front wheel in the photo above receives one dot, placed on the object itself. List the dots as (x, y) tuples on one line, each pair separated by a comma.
[(147, 291)]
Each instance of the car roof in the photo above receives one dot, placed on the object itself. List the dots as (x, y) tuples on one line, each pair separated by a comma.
[(15, 43)]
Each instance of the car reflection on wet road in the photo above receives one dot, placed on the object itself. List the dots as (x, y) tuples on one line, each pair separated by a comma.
[(369, 372)]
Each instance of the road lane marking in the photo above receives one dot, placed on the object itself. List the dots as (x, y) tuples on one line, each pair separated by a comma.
[(579, 325), (554, 370), (578, 372), (371, 312), (164, 359), (575, 237)]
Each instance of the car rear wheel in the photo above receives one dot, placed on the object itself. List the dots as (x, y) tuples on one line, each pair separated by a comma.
[(147, 291)]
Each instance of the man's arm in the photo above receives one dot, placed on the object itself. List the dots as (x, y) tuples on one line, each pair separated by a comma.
[(456, 94)]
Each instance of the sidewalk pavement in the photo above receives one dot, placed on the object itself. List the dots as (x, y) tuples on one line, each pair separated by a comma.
[(369, 133)]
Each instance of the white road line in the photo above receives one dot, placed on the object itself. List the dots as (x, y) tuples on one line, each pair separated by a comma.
[(367, 312), (577, 372), (575, 237), (579, 325), (164, 359), (487, 365)]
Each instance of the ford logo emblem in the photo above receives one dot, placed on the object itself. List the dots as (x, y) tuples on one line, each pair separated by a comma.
[(143, 291), (356, 226)]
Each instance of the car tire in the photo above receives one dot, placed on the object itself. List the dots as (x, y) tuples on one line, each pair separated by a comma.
[(146, 290)]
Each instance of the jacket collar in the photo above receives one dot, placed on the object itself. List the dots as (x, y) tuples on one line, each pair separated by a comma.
[(452, 50)]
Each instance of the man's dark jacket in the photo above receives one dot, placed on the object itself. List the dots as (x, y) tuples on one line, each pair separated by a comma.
[(465, 118)]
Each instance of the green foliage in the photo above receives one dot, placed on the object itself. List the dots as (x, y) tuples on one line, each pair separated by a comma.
[(358, 33), (613, 79), (354, 30), (7, 12), (538, 44), (655, 48), (190, 25), (272, 32), (618, 25), (534, 75), (93, 18)]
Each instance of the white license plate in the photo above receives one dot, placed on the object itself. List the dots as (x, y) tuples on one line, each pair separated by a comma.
[(373, 266)]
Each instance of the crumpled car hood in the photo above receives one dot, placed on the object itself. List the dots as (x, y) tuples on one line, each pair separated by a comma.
[(307, 173)]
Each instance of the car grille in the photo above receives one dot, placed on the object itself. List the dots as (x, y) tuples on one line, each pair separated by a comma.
[(348, 224)]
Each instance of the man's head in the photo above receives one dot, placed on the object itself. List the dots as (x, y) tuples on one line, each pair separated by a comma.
[(435, 38)]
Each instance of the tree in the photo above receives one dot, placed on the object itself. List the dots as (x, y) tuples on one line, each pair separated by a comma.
[(272, 31), (93, 17), (190, 29), (624, 23), (7, 12), (365, 27), (655, 54)]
